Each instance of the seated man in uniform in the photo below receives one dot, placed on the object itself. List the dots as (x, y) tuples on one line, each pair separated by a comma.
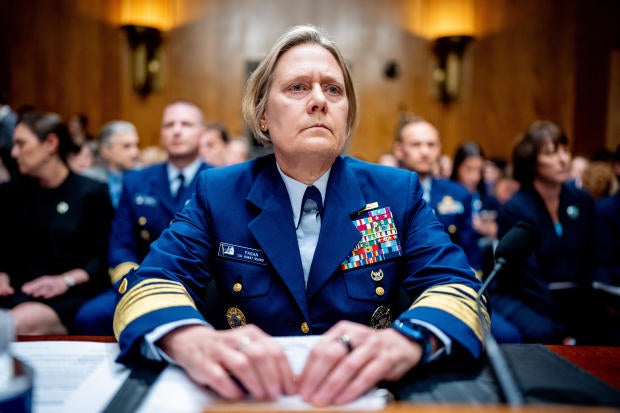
[(303, 241), (418, 148), (150, 197)]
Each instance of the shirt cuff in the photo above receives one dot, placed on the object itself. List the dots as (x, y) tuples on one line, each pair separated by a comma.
[(441, 336), (152, 351)]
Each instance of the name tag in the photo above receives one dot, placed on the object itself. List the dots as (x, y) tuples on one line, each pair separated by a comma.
[(237, 252)]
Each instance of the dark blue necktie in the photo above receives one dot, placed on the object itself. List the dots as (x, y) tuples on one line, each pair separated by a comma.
[(310, 223), (179, 193)]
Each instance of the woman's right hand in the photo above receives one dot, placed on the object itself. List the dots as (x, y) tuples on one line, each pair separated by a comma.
[(218, 358), (5, 285)]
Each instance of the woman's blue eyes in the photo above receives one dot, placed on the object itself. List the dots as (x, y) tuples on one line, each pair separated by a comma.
[(331, 90)]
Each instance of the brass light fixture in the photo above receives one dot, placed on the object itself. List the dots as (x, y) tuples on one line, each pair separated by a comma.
[(450, 26), (448, 73), (144, 42)]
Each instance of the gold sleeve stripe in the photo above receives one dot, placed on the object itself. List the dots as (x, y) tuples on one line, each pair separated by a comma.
[(456, 300), (121, 269), (148, 296)]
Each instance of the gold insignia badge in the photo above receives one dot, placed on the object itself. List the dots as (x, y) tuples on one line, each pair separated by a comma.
[(235, 317), (62, 207), (381, 318), (376, 275)]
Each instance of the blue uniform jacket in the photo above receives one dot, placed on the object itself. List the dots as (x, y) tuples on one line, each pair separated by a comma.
[(238, 231), (525, 293), (145, 209), (452, 204)]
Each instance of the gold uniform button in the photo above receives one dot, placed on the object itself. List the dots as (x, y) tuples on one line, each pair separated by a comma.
[(304, 328), (123, 287), (237, 287), (142, 220), (379, 291), (452, 229), (144, 234)]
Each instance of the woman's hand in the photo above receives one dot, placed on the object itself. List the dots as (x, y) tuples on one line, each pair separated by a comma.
[(333, 375), (5, 285), (46, 286), (218, 358)]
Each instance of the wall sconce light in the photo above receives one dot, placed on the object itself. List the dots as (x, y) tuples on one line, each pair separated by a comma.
[(144, 42), (448, 73)]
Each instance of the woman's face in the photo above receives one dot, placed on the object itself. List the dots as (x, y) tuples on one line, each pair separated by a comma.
[(30, 153), (553, 163), (307, 107), (470, 172)]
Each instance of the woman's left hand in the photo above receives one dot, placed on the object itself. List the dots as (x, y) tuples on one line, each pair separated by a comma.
[(46, 286), (335, 375)]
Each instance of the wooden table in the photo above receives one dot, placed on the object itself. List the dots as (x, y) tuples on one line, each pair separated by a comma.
[(602, 362)]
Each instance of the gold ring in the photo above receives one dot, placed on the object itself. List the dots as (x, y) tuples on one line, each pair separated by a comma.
[(346, 341)]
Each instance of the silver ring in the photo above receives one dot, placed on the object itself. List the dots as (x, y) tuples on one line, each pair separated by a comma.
[(346, 341), (243, 343)]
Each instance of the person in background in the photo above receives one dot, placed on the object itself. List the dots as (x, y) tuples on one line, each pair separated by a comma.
[(119, 149), (549, 297), (8, 120), (284, 238), (78, 128), (578, 166), (55, 230), (238, 150), (445, 166), (599, 179), (149, 199), (505, 188), (417, 148), (84, 157), (493, 170), (213, 144)]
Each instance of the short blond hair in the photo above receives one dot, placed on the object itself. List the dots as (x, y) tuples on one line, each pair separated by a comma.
[(259, 83)]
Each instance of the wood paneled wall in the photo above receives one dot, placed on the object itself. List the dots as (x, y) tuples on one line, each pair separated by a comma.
[(530, 60)]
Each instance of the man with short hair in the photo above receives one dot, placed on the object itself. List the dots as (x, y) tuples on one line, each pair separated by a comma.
[(149, 200), (417, 148), (119, 148)]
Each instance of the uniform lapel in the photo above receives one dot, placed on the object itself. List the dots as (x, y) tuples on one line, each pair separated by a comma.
[(274, 230), (338, 235)]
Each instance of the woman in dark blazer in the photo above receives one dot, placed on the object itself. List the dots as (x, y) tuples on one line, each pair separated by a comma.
[(55, 228), (548, 297)]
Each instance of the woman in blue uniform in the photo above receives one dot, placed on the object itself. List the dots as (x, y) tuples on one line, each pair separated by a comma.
[(549, 297), (55, 229), (304, 241)]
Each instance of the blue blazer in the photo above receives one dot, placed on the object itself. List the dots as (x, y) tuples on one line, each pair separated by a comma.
[(452, 204), (238, 232), (145, 209)]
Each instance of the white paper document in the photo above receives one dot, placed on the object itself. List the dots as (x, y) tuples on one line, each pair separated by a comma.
[(80, 376)]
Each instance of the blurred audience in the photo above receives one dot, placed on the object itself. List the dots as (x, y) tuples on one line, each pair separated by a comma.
[(151, 155), (213, 144), (388, 159), (578, 166), (599, 179), (492, 171), (55, 231), (78, 128), (84, 157), (238, 149), (445, 167)]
